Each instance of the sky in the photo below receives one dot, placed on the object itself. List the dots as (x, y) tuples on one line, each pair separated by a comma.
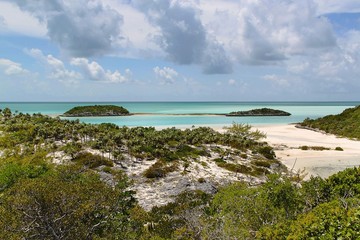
[(179, 50)]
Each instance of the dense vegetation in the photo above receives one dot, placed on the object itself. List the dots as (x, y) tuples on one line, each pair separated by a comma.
[(259, 112), (345, 124), (96, 110), (89, 198)]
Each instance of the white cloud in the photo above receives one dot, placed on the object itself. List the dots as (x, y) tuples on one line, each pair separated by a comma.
[(13, 20), (166, 75), (57, 68), (267, 32), (183, 36), (81, 28), (336, 6), (213, 34), (96, 72), (12, 68), (337, 67)]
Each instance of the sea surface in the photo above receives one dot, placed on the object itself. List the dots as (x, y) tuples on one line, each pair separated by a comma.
[(168, 114)]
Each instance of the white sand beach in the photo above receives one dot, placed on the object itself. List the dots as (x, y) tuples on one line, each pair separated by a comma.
[(286, 139)]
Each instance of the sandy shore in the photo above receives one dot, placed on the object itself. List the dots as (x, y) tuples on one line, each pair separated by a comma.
[(286, 139)]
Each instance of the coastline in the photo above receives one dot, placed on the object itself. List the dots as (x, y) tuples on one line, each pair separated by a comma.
[(286, 140)]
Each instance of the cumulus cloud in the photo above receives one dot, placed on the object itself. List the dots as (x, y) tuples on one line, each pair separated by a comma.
[(57, 68), (11, 68), (338, 66), (214, 34), (96, 72), (13, 20), (182, 35), (166, 75), (82, 28), (263, 32), (217, 34)]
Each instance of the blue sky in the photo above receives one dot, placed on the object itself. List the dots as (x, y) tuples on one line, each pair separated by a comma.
[(172, 50)]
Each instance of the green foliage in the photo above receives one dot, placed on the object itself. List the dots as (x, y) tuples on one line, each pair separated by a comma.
[(305, 148), (92, 161), (329, 210), (180, 219), (159, 169), (315, 148), (12, 172), (238, 168), (339, 149), (96, 110), (345, 184), (345, 124), (244, 130), (67, 203), (283, 194), (239, 211), (262, 163), (314, 192), (72, 148), (259, 112), (328, 221), (267, 152)]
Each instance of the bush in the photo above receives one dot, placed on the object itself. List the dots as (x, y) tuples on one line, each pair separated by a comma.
[(65, 204), (339, 149), (201, 180), (159, 170), (260, 163), (267, 152), (92, 161), (304, 148)]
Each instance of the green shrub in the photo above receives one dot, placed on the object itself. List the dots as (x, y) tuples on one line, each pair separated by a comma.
[(319, 148), (261, 163), (267, 152), (159, 169), (304, 148), (92, 161), (339, 149), (315, 148), (201, 180)]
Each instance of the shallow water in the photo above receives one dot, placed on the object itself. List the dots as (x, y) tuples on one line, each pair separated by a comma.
[(299, 111)]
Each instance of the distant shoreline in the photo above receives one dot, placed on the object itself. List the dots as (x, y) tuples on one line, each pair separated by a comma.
[(176, 114)]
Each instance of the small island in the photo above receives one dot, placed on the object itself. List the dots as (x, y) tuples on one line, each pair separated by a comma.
[(96, 111), (258, 112)]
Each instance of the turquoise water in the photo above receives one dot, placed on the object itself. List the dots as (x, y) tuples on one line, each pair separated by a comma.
[(299, 111)]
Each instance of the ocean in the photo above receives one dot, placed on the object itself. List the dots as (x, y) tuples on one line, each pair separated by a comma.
[(161, 114)]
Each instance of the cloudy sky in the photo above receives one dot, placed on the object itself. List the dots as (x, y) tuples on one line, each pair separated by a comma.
[(179, 50)]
